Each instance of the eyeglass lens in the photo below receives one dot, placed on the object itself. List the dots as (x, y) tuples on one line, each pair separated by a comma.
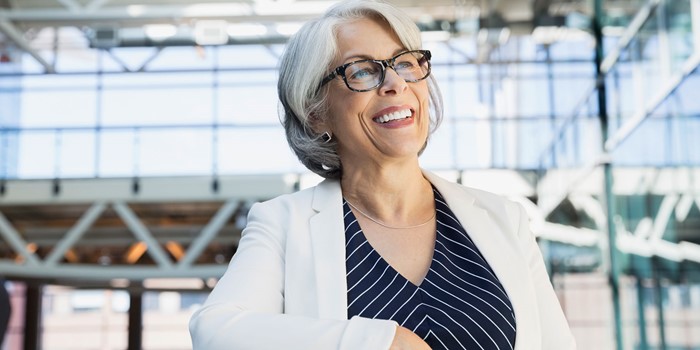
[(363, 75)]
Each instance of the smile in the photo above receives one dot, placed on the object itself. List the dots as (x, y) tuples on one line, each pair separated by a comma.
[(402, 114)]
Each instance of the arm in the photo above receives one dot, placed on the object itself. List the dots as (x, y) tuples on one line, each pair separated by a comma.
[(245, 309), (556, 334)]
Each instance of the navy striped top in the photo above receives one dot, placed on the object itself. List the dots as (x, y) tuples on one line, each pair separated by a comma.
[(459, 305)]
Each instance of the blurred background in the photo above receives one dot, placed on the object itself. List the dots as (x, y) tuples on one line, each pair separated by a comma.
[(134, 137)]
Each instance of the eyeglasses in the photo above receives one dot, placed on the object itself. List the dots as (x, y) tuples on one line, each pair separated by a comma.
[(366, 75)]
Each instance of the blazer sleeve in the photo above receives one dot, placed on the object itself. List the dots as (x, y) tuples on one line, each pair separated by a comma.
[(556, 334), (246, 308)]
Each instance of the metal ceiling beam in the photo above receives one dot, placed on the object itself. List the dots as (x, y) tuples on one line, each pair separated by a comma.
[(95, 4), (232, 12), (71, 5), (100, 273), (142, 233), (75, 233), (12, 33), (208, 233), (19, 245)]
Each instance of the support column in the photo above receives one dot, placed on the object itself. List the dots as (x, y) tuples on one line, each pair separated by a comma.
[(32, 317), (135, 320), (613, 274), (641, 315), (658, 292), (5, 310)]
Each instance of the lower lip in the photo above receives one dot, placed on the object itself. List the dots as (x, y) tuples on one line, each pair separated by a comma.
[(398, 123)]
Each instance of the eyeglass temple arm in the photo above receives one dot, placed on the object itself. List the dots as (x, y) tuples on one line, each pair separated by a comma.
[(332, 75)]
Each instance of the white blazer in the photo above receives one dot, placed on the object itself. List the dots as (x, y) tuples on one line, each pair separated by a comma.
[(285, 287)]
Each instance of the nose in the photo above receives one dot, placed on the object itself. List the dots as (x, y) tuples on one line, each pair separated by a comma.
[(393, 84)]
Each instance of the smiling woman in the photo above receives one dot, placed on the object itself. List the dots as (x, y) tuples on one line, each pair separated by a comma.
[(382, 254)]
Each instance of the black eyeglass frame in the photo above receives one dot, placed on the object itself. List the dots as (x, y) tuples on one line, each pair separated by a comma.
[(388, 63)]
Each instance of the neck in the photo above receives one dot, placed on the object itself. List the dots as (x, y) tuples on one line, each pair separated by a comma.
[(394, 195)]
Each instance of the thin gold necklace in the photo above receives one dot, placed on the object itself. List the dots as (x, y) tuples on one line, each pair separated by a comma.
[(387, 226)]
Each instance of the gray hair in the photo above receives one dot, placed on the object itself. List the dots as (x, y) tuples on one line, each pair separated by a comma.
[(306, 61)]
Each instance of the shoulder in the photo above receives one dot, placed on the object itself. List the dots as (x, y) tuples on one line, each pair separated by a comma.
[(301, 204), (283, 205), (499, 208), (478, 197)]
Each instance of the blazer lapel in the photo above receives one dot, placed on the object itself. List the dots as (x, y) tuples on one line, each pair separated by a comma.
[(500, 250), (328, 245)]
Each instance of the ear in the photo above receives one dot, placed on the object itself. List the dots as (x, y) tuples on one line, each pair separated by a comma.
[(318, 124)]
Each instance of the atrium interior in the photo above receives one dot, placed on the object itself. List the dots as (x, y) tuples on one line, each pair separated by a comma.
[(135, 136)]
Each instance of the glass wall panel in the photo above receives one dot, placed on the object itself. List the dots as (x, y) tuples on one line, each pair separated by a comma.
[(58, 108), (117, 153), (165, 321), (533, 98), (39, 152), (76, 154), (9, 152), (439, 154), (133, 58), (248, 105), (253, 150), (247, 77), (163, 106), (474, 145), (160, 80), (248, 56), (184, 57), (174, 152), (678, 21), (10, 107)]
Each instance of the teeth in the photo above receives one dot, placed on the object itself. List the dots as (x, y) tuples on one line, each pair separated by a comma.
[(394, 116)]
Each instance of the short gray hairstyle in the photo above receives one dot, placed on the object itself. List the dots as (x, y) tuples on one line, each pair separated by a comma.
[(306, 61)]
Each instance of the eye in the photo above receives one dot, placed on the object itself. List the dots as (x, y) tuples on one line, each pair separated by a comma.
[(405, 65), (361, 71)]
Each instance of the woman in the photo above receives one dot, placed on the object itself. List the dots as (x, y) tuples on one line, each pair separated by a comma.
[(382, 254)]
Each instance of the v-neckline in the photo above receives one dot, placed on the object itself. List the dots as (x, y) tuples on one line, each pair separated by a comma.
[(386, 264)]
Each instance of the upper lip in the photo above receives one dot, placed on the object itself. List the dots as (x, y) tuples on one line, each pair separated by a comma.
[(391, 109)]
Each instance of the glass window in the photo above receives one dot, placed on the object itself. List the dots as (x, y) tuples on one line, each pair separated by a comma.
[(253, 150), (117, 153), (533, 98), (439, 154), (247, 56), (183, 57), (76, 153), (174, 152), (59, 108), (38, 154), (248, 105), (163, 106)]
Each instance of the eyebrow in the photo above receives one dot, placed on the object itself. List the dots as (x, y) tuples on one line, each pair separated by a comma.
[(367, 57)]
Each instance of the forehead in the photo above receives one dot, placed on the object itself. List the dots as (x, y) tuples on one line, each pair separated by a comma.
[(366, 37)]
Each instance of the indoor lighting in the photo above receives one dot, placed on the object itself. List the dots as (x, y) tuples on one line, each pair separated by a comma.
[(119, 283), (435, 35), (546, 35), (160, 32), (288, 29), (211, 32), (246, 30), (135, 10), (173, 283), (175, 250), (134, 253)]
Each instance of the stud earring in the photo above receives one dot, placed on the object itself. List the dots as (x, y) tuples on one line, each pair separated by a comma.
[(326, 137)]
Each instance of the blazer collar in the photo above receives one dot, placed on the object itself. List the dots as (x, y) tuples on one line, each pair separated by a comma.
[(328, 246)]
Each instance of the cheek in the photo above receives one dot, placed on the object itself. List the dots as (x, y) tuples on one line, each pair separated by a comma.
[(423, 97)]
